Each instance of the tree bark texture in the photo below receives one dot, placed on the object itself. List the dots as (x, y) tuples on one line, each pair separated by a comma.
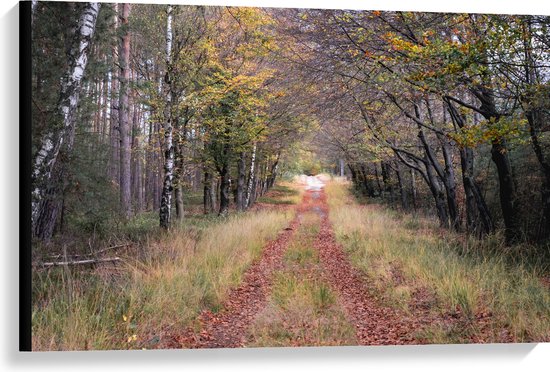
[(48, 185), (251, 177), (123, 114), (241, 176), (224, 190), (166, 198)]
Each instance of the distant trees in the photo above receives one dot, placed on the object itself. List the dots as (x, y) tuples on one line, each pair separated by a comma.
[(458, 83)]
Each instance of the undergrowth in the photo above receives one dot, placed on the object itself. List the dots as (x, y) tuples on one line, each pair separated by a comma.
[(468, 277), (163, 284)]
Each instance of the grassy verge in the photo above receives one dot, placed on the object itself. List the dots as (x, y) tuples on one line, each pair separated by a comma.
[(282, 193), (469, 279), (302, 309), (162, 286)]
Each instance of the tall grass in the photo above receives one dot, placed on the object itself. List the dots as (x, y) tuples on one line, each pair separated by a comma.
[(470, 277), (160, 288)]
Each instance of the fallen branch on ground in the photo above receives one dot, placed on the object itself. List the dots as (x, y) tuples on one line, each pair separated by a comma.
[(81, 262), (75, 256)]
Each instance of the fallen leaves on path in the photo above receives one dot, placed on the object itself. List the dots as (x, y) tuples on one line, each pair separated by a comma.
[(375, 324)]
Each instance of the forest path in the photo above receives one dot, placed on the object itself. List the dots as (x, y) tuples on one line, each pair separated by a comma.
[(228, 327), (234, 325)]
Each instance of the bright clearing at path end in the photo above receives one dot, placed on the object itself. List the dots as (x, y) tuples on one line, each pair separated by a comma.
[(314, 183)]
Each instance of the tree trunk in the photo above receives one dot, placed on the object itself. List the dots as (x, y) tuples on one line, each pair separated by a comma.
[(137, 181), (361, 183), (507, 191), (214, 187), (209, 193), (51, 204), (137, 176), (353, 174), (106, 105), (446, 175), (255, 185), (123, 113), (47, 184), (178, 180), (438, 195), (499, 154), (450, 185), (165, 212), (158, 168), (114, 160), (413, 191), (402, 191), (225, 185), (251, 178), (536, 122), (368, 188), (273, 173), (386, 179), (478, 218), (179, 202), (376, 175), (241, 170)]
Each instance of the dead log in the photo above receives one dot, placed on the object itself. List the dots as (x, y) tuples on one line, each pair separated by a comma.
[(76, 256), (74, 263)]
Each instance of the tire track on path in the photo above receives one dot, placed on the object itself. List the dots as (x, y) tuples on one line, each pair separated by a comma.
[(375, 324)]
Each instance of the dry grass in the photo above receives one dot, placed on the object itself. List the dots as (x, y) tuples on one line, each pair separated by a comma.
[(161, 289), (402, 254)]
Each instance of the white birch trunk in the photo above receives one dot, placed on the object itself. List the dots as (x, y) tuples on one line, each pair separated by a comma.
[(166, 198), (52, 141), (250, 178)]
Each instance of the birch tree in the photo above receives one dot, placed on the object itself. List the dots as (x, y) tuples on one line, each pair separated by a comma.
[(166, 197), (46, 185), (250, 178)]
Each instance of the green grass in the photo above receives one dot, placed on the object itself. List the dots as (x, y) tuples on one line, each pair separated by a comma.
[(163, 285), (282, 194), (193, 198), (268, 200), (104, 221), (470, 277), (301, 312), (302, 257)]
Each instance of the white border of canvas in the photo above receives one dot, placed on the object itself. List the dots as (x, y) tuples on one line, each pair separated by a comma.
[(505, 357)]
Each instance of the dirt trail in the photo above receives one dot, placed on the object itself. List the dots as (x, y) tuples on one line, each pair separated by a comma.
[(227, 329), (375, 324)]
